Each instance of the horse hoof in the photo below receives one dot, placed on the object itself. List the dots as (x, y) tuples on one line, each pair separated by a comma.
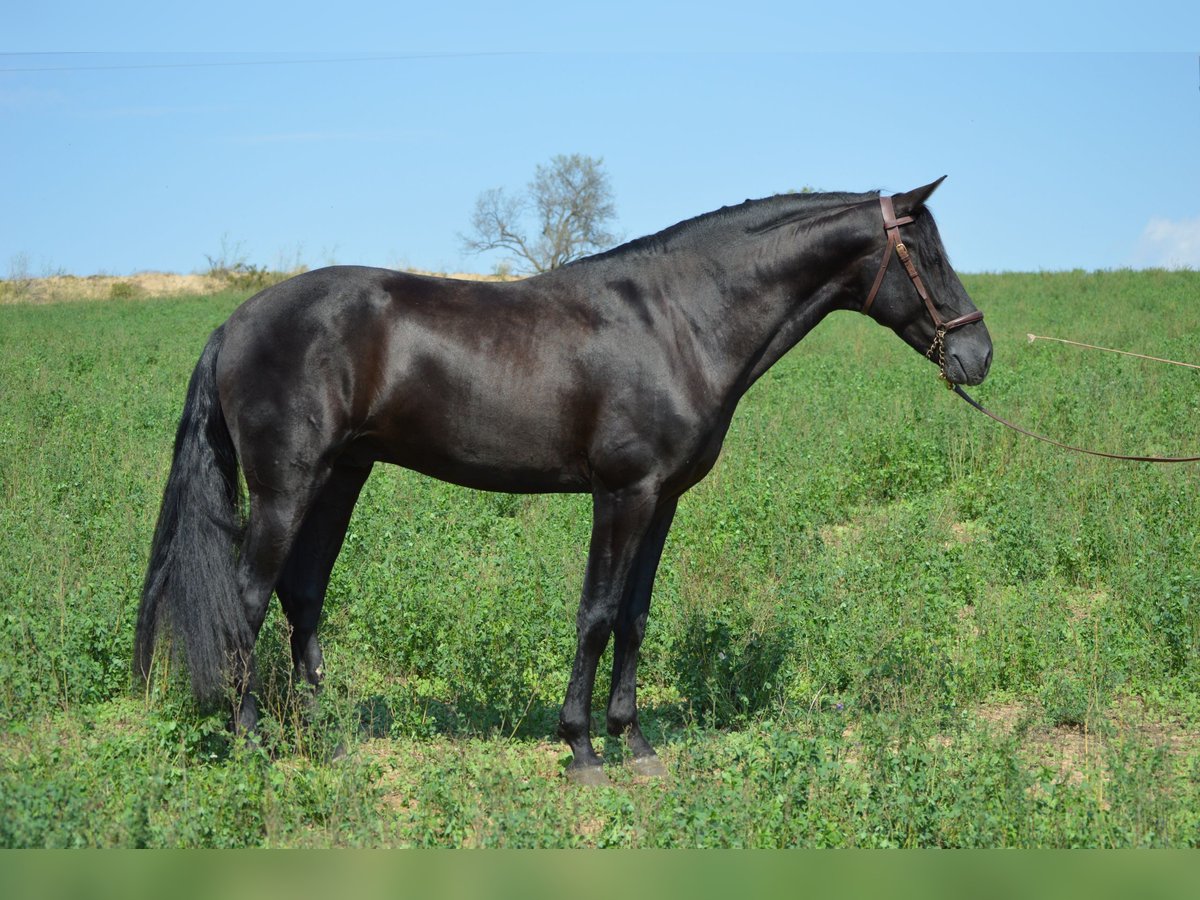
[(648, 766), (588, 776)]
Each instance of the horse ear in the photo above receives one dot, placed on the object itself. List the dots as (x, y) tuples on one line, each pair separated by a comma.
[(907, 204)]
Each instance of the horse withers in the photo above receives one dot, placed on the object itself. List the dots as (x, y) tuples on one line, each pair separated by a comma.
[(616, 375)]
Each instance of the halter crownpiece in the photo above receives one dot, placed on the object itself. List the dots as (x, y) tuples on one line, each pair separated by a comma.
[(891, 225)]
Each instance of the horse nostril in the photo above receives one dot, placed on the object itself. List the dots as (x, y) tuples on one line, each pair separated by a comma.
[(971, 368)]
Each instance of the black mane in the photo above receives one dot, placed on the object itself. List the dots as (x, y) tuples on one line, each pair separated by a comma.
[(751, 216)]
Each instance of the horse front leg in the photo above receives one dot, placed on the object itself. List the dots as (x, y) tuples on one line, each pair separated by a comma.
[(630, 630), (620, 521)]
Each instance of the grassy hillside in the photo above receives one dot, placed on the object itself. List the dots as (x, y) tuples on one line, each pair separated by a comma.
[(881, 621)]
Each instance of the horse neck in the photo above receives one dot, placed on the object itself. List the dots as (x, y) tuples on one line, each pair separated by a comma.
[(775, 290)]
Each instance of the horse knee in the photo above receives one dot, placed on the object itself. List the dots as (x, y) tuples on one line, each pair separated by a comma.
[(594, 629)]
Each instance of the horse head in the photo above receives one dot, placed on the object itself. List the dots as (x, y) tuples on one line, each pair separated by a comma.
[(922, 298)]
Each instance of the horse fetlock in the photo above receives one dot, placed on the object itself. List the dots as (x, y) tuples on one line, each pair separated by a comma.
[(631, 731), (312, 664), (619, 723), (575, 732)]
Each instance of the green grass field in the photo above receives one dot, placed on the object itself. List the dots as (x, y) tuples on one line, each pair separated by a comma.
[(881, 621)]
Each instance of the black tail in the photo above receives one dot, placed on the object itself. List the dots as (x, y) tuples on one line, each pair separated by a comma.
[(191, 585)]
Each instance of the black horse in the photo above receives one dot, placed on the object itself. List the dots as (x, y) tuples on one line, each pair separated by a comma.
[(615, 375)]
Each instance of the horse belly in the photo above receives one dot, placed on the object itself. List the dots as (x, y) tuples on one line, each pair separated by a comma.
[(489, 439)]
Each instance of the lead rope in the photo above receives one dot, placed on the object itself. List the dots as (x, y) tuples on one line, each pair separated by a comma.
[(987, 412), (1170, 362)]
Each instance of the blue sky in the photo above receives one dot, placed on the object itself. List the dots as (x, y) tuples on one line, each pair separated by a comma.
[(147, 137)]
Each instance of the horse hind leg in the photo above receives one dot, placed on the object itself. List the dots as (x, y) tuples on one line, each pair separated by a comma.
[(305, 577), (278, 508)]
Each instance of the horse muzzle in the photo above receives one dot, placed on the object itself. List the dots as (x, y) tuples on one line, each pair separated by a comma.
[(968, 357)]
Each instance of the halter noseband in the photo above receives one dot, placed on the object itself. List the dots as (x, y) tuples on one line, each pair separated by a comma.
[(941, 326)]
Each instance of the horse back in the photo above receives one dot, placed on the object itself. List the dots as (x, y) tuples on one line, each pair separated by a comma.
[(524, 386)]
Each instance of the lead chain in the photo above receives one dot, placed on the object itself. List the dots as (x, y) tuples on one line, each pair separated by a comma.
[(939, 344)]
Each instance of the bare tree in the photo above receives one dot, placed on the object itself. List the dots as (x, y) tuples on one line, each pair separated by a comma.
[(569, 201)]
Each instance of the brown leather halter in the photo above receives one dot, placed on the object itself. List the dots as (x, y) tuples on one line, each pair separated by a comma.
[(941, 326)]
